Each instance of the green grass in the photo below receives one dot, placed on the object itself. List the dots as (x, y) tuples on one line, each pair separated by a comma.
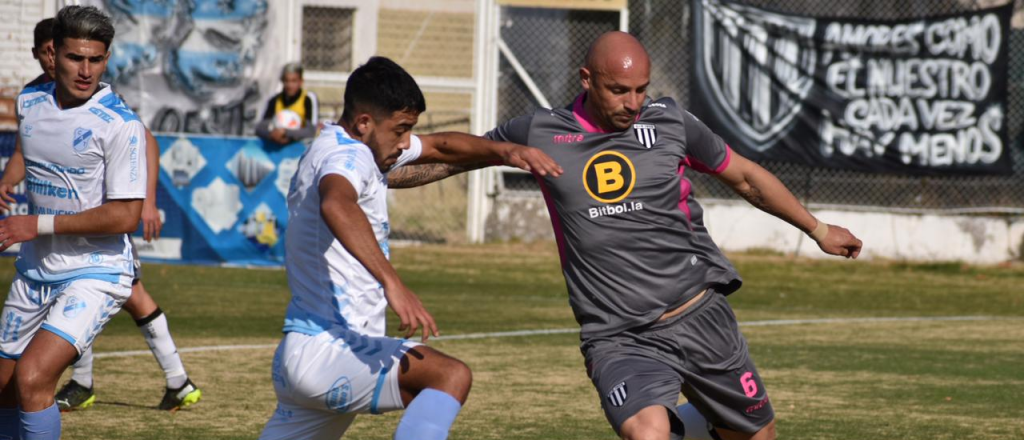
[(879, 380)]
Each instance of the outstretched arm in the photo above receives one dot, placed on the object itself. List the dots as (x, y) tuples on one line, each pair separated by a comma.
[(339, 207), (112, 217), (763, 190), (461, 148), (411, 176)]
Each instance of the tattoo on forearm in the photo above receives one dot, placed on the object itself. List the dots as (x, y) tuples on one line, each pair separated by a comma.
[(754, 196), (418, 175)]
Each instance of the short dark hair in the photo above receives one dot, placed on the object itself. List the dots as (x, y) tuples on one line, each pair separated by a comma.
[(381, 87), (82, 22), (42, 33)]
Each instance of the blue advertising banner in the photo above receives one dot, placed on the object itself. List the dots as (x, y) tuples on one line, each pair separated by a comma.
[(223, 199)]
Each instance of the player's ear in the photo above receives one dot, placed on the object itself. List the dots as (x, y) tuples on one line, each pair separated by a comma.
[(364, 124), (585, 78)]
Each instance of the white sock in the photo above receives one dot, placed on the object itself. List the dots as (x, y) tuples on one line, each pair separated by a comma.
[(158, 336), (697, 427), (81, 371)]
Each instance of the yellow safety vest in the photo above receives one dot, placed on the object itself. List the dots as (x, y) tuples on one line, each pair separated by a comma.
[(299, 106)]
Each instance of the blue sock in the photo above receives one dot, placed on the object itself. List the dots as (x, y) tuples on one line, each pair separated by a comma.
[(41, 425), (10, 424), (428, 417)]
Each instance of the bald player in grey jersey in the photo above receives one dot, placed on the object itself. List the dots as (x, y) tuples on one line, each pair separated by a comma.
[(646, 282)]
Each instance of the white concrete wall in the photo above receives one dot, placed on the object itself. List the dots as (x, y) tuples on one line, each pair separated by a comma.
[(19, 19), (736, 226)]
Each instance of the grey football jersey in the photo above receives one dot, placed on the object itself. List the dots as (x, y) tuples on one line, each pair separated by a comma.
[(630, 235)]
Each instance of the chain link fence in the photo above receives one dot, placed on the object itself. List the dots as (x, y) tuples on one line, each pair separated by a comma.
[(551, 44)]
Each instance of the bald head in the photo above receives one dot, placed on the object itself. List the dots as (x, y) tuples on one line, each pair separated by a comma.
[(617, 53), (615, 77)]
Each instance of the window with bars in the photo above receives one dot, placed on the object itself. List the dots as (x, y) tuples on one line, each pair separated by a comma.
[(327, 38)]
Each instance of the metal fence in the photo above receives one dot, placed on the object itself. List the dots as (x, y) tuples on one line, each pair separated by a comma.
[(551, 44)]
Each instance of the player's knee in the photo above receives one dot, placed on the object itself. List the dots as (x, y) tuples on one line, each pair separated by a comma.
[(458, 378), (645, 432), (766, 433), (29, 378)]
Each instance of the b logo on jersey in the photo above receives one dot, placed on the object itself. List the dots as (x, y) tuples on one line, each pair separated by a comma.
[(609, 176), (646, 134), (81, 140)]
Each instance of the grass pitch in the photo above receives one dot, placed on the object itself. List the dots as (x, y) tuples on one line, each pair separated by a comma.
[(844, 380)]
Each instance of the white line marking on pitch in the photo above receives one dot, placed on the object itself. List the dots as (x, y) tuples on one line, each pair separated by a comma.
[(557, 331)]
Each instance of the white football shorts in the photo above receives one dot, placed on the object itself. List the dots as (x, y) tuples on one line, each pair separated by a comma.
[(323, 381), (75, 310)]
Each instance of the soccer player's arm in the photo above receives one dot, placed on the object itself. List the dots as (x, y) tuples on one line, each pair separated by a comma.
[(422, 172), (339, 207), (151, 223), (263, 125), (14, 173), (709, 153), (125, 183)]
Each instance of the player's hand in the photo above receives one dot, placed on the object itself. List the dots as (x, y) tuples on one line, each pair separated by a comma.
[(279, 135), (533, 160), (410, 312), (6, 199), (17, 229), (151, 223), (840, 241)]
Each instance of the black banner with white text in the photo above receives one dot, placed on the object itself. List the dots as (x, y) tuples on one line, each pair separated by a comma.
[(924, 96)]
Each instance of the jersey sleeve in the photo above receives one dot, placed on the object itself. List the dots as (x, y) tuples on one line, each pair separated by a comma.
[(705, 151), (516, 130), (124, 158), (350, 163), (414, 152)]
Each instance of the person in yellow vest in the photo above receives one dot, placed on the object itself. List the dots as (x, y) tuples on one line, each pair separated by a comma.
[(286, 129)]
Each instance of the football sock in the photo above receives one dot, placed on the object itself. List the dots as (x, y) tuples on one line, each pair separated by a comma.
[(158, 336), (81, 371), (696, 425), (428, 417), (10, 424), (41, 425)]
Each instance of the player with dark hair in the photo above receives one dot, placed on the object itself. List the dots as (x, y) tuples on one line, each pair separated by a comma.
[(78, 392), (646, 283), (334, 361), (86, 181)]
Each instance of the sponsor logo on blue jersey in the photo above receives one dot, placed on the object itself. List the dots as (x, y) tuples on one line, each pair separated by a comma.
[(46, 188), (116, 105), (101, 114), (32, 102), (53, 167), (81, 139), (339, 396), (133, 161), (74, 307)]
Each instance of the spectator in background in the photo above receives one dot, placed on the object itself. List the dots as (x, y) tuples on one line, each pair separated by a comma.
[(284, 128)]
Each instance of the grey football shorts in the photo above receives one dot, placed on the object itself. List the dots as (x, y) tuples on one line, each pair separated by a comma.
[(700, 353)]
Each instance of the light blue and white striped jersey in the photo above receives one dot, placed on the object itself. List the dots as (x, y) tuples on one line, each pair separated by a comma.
[(76, 159), (330, 287)]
